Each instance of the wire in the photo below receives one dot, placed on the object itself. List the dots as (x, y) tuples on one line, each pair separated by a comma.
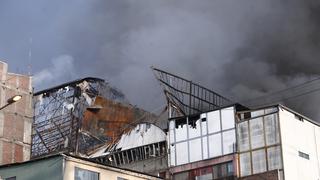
[(292, 97), (283, 90), (278, 93)]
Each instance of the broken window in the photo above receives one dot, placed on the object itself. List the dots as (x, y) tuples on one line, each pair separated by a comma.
[(194, 126), (181, 129)]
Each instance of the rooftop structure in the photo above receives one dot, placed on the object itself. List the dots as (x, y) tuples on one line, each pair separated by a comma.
[(143, 148), (79, 116), (185, 97)]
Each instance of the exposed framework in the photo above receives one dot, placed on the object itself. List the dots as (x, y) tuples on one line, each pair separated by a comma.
[(185, 97), (136, 154), (58, 114)]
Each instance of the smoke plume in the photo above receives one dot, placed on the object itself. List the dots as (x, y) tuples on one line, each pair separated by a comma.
[(242, 49)]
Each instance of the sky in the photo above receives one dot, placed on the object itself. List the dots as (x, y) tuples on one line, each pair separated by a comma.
[(241, 49)]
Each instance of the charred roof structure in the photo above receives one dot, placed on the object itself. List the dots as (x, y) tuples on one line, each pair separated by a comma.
[(185, 97), (59, 116)]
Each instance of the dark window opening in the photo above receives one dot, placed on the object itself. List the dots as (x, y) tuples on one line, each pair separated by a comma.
[(304, 155)]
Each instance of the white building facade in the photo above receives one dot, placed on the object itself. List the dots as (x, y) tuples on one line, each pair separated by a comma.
[(280, 141)]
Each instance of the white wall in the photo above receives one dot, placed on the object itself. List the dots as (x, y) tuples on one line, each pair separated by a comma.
[(212, 135), (303, 136)]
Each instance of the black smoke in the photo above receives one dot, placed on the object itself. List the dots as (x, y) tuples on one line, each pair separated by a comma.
[(242, 49)]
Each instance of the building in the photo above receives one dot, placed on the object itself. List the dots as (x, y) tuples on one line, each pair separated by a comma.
[(143, 148), (15, 119), (65, 167), (203, 146), (209, 137), (79, 116), (273, 143), (278, 143)]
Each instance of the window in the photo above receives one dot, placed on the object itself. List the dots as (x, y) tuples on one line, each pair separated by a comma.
[(120, 178), (215, 148), (223, 170), (213, 119), (181, 129), (195, 150), (243, 134), (83, 174), (274, 158), (256, 133), (182, 153), (11, 178), (259, 161), (229, 140), (272, 129), (304, 155), (245, 164), (181, 176), (194, 126), (227, 118), (201, 174)]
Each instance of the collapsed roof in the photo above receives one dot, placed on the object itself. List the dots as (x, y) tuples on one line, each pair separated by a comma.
[(79, 116), (185, 97)]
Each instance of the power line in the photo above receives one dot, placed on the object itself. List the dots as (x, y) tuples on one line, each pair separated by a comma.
[(283, 92), (292, 97)]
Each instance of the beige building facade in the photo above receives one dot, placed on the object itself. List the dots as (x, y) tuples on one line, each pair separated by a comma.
[(66, 167)]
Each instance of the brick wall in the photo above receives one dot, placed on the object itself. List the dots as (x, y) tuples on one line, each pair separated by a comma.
[(15, 119)]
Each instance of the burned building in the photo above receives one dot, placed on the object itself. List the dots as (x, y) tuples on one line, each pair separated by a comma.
[(143, 148), (212, 140), (79, 116), (15, 118)]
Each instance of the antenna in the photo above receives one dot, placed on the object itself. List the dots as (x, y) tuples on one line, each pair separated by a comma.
[(29, 57)]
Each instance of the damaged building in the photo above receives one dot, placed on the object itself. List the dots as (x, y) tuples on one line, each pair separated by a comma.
[(143, 148), (203, 136), (80, 116), (210, 137)]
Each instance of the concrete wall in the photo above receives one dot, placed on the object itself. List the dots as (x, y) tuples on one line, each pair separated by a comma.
[(16, 119), (299, 136), (104, 172), (151, 166), (49, 169)]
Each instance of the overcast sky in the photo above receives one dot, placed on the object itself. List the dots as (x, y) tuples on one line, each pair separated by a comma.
[(242, 49)]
